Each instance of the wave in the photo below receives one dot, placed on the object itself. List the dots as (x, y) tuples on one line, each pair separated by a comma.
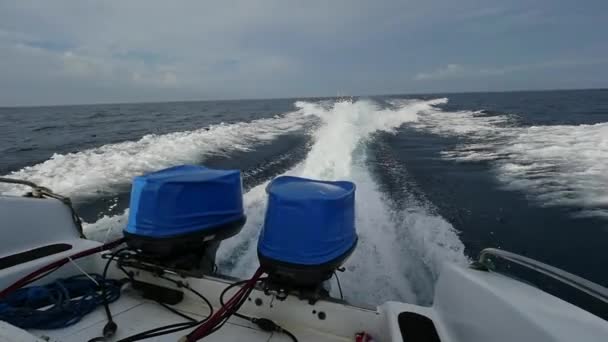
[(400, 253), (108, 168), (559, 165)]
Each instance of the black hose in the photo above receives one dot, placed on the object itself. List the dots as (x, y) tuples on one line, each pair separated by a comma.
[(339, 286), (171, 328), (109, 330), (263, 323)]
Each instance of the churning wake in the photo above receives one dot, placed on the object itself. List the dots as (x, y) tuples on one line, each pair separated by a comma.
[(108, 168), (559, 165), (399, 254)]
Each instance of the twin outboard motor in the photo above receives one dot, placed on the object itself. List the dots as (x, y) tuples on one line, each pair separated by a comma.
[(178, 216), (309, 231)]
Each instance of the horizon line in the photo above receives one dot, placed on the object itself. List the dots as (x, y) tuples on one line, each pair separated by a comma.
[(303, 97)]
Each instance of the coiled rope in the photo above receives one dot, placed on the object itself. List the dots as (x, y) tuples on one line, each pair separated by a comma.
[(59, 304)]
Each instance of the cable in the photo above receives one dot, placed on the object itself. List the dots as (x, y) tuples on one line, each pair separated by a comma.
[(268, 325), (180, 284), (109, 330), (230, 309), (46, 270), (226, 289), (180, 314), (171, 328), (290, 335), (57, 305), (224, 313), (43, 275), (263, 323), (167, 329), (339, 286), (233, 312), (163, 330), (87, 300)]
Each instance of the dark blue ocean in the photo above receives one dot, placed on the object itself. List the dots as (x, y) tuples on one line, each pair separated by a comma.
[(439, 176)]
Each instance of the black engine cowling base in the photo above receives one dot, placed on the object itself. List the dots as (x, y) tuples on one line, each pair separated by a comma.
[(281, 290), (306, 280), (191, 252)]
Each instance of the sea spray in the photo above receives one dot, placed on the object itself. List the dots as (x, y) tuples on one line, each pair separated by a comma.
[(381, 268)]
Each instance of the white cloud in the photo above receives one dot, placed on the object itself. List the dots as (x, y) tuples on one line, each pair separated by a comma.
[(153, 49)]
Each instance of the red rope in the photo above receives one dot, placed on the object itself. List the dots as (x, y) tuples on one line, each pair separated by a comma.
[(28, 278), (225, 311)]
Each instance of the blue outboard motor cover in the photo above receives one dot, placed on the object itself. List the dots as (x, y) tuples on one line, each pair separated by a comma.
[(308, 222), (184, 199)]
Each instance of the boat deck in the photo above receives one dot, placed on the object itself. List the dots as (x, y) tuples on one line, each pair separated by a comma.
[(134, 314)]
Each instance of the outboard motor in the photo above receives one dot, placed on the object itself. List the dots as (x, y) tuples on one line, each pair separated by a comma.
[(179, 215), (309, 231)]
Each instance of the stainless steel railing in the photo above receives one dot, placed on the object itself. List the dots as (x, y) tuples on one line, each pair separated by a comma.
[(597, 291)]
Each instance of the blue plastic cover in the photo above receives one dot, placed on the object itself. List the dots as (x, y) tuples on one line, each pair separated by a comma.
[(308, 222), (184, 199)]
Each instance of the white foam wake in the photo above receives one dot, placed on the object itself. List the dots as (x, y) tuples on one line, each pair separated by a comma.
[(103, 169), (398, 254), (561, 165)]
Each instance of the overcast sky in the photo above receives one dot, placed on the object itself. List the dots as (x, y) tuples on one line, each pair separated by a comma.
[(82, 51)]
